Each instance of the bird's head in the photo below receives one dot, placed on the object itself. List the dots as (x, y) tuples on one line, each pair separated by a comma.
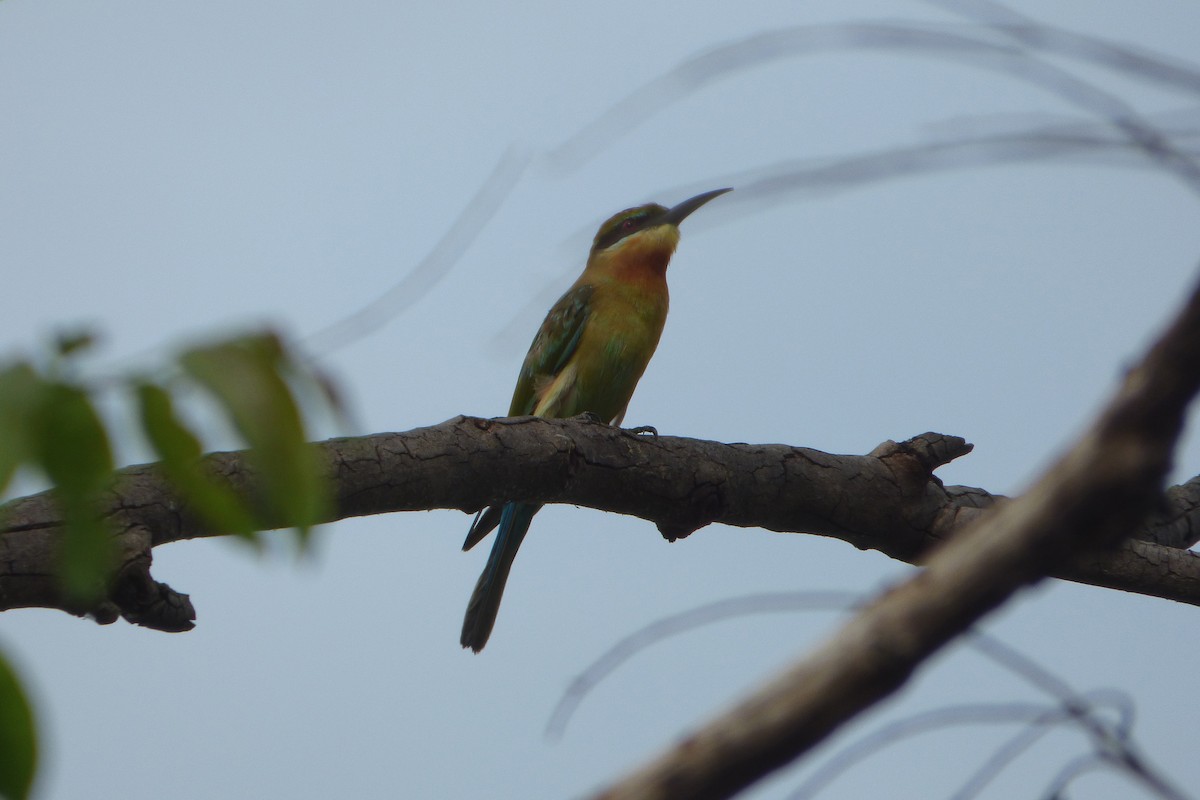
[(646, 234)]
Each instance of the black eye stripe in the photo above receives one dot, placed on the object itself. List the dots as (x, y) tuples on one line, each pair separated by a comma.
[(626, 223), (619, 231)]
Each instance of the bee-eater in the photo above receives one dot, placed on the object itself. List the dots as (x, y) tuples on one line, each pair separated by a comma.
[(588, 355)]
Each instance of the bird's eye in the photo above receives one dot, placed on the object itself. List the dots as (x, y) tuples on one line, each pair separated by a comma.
[(629, 224)]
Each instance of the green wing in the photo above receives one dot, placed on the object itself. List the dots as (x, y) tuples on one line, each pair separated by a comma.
[(553, 346)]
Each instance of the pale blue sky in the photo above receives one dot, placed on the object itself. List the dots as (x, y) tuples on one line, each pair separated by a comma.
[(171, 170)]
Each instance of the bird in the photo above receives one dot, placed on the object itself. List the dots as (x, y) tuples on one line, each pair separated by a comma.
[(586, 358)]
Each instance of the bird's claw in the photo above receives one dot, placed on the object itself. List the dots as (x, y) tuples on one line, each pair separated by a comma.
[(639, 430)]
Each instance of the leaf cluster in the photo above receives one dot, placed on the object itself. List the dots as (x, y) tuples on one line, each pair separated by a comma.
[(52, 429)]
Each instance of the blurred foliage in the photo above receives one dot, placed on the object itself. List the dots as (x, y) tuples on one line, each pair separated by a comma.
[(51, 428), (18, 737), (49, 424), (252, 380)]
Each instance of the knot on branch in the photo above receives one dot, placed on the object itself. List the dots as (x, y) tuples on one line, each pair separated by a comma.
[(1176, 520), (914, 460), (703, 506), (930, 450), (704, 502), (140, 599), (151, 604)]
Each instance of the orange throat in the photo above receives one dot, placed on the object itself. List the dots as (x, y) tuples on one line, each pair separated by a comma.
[(644, 255)]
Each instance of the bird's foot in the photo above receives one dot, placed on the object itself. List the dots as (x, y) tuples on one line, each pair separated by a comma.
[(642, 429), (588, 416)]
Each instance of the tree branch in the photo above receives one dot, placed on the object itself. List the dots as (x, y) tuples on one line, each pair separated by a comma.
[(887, 500)]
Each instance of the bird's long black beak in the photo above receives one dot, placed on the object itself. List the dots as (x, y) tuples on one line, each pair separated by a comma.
[(677, 213)]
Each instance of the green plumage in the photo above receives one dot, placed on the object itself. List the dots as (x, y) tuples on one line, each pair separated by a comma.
[(552, 348)]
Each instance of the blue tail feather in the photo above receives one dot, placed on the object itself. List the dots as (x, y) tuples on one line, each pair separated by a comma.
[(485, 600)]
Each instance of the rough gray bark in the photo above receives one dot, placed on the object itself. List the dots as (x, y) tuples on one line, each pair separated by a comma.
[(888, 500)]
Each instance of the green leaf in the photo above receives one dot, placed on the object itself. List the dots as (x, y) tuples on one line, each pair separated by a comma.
[(180, 452), (71, 446), (19, 390), (175, 444), (18, 737), (247, 377)]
